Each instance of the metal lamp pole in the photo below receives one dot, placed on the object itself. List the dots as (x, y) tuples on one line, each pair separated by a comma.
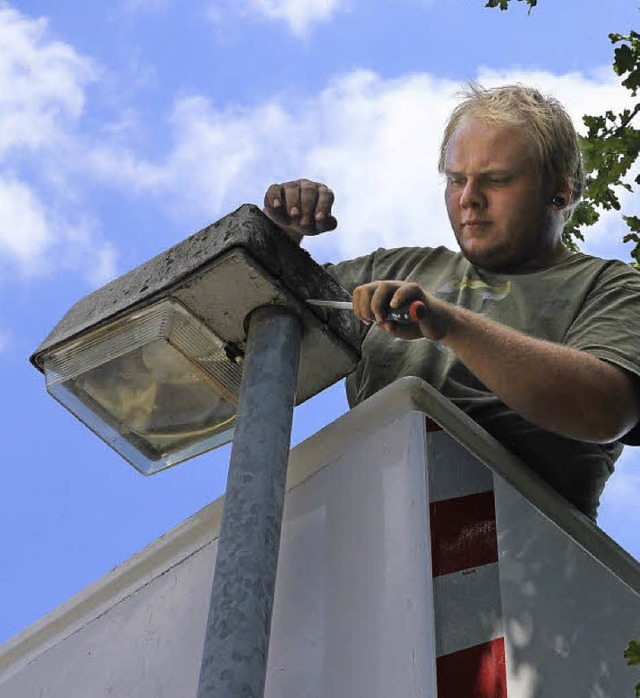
[(237, 636)]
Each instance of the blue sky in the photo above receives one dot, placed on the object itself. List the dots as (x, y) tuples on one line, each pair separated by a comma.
[(126, 126)]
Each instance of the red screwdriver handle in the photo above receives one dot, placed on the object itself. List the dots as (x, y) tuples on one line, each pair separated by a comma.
[(407, 314)]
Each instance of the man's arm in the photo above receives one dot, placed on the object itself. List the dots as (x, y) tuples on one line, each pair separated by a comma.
[(558, 388)]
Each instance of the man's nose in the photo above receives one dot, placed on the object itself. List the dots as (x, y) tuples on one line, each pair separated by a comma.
[(472, 195)]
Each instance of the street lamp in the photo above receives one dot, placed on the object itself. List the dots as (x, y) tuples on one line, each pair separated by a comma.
[(153, 361), (165, 362)]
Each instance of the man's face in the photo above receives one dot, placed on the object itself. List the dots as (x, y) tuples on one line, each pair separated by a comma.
[(496, 201)]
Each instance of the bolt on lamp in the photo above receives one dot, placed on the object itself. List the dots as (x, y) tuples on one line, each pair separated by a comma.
[(210, 337)]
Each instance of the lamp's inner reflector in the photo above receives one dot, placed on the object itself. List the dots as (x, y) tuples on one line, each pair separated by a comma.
[(156, 385)]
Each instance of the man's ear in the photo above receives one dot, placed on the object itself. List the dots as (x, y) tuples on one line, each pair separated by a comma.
[(560, 194)]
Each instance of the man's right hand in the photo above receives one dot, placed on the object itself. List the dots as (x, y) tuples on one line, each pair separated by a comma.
[(300, 208)]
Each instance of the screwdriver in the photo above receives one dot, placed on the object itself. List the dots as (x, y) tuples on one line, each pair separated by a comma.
[(404, 315)]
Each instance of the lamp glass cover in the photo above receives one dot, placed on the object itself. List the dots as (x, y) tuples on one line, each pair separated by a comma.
[(156, 385)]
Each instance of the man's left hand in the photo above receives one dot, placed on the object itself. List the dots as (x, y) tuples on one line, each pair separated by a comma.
[(373, 301)]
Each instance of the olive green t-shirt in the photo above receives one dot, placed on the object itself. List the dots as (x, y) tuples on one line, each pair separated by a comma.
[(584, 302)]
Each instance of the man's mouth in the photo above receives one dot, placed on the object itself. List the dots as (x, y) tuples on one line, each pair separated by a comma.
[(472, 224), (475, 228)]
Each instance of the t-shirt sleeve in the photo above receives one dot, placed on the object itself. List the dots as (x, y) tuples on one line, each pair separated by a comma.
[(608, 324)]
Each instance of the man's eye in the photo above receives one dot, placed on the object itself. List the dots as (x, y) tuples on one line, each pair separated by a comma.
[(458, 181), (498, 180)]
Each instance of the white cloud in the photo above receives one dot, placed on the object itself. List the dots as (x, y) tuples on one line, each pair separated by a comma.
[(42, 98), (78, 247), (36, 239), (41, 83), (298, 14), (374, 141), (24, 231)]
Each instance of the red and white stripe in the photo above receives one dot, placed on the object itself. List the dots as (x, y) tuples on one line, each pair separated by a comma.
[(470, 653)]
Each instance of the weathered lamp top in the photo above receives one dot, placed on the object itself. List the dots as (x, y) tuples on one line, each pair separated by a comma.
[(293, 277)]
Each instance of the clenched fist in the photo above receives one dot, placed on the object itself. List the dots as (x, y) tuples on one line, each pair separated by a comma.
[(301, 207)]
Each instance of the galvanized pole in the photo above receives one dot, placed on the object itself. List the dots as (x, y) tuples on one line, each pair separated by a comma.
[(236, 644)]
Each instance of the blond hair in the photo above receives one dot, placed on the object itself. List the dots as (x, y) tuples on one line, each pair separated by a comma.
[(554, 138)]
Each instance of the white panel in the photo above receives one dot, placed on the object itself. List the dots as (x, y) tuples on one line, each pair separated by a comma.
[(353, 612), (567, 618), (148, 645), (467, 609), (454, 471)]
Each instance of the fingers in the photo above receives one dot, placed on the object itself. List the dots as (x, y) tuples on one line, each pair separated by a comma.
[(405, 294), (275, 205), (273, 199), (374, 302), (301, 205), (323, 218), (381, 301), (308, 200), (361, 299)]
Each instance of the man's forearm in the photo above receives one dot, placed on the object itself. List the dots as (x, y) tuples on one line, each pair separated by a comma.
[(556, 387)]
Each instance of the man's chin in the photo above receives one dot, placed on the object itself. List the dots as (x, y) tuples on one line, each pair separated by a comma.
[(488, 258)]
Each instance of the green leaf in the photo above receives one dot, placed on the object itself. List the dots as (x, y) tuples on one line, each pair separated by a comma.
[(627, 59), (624, 59), (504, 4), (632, 653), (633, 222)]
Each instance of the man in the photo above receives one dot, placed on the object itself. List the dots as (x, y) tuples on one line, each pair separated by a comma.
[(536, 343)]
